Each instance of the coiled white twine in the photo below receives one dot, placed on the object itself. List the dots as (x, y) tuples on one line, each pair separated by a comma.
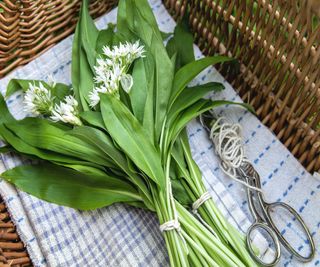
[(228, 145)]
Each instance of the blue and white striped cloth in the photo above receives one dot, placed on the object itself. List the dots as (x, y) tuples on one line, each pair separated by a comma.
[(124, 236)]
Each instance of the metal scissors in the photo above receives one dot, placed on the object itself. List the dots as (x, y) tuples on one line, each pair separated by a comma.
[(264, 221), (261, 210)]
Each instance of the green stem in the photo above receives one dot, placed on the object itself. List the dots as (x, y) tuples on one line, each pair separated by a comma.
[(201, 251), (193, 227)]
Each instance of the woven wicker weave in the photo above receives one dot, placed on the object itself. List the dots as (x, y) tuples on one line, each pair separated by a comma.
[(275, 41), (28, 28), (12, 250)]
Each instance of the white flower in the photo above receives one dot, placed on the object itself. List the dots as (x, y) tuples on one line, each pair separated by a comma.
[(137, 50), (38, 100), (67, 111), (108, 52), (51, 81), (112, 71), (94, 95), (126, 53)]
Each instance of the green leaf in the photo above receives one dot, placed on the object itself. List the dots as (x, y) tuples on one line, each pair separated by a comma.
[(30, 151), (60, 91), (93, 118), (125, 19), (75, 64), (105, 38), (165, 35), (43, 134), (191, 95), (5, 113), (143, 71), (187, 73), (144, 27), (18, 84), (148, 117), (125, 129), (83, 57), (101, 142), (88, 34), (86, 80), (194, 111), (71, 188), (181, 44), (180, 193), (105, 144)]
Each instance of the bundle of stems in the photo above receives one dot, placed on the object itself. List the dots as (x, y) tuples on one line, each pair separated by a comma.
[(118, 133)]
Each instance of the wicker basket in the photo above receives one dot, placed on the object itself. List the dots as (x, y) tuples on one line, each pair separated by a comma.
[(275, 41), (12, 250)]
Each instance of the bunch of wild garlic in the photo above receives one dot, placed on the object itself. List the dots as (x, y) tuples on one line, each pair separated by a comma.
[(118, 135)]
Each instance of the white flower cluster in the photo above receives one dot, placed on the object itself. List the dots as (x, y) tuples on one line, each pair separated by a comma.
[(39, 101), (111, 72), (126, 53), (67, 111)]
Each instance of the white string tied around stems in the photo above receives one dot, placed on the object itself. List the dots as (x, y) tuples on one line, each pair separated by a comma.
[(203, 198), (228, 145), (174, 224), (196, 205), (170, 225)]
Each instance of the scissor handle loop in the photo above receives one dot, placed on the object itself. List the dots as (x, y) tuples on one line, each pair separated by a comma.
[(281, 238), (275, 241)]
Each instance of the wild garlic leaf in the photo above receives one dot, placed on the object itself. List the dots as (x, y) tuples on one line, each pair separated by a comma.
[(188, 72), (93, 118), (105, 38), (181, 193), (18, 84), (75, 64), (36, 153), (139, 91), (104, 143), (142, 73), (43, 134), (60, 91), (192, 112), (125, 19), (181, 44), (83, 57), (195, 110), (146, 29), (125, 129), (85, 79), (190, 95), (71, 188), (149, 112), (83, 168), (5, 113), (89, 34), (165, 35)]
